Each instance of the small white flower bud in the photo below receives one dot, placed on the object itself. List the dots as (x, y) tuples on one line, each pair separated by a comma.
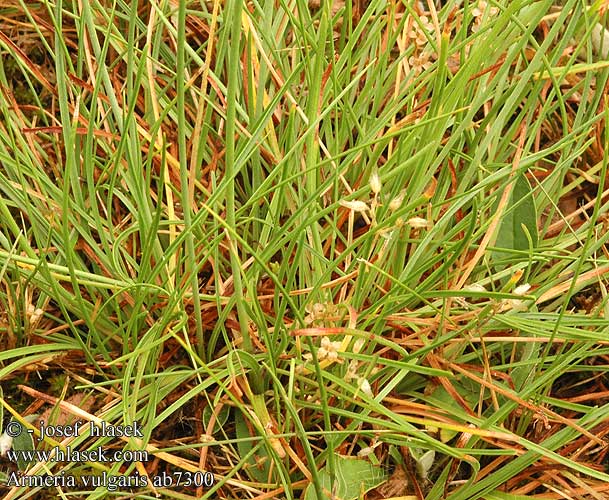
[(357, 346), (352, 369), (522, 289), (355, 205), (375, 182), (396, 203), (6, 443), (364, 452), (364, 386), (36, 315), (418, 222)]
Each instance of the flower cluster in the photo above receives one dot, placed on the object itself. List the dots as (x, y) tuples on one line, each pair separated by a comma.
[(34, 314), (362, 382), (327, 351), (419, 33), (319, 314), (481, 12)]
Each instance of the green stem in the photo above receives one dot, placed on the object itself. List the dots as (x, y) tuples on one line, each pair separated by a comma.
[(184, 175), (231, 109)]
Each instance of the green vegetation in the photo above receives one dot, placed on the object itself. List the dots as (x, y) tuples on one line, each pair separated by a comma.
[(317, 250)]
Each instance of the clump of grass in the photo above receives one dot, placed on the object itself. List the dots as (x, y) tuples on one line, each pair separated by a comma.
[(281, 235)]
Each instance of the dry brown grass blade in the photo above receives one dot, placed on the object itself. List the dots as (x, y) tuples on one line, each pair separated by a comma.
[(583, 279), (544, 413), (26, 61)]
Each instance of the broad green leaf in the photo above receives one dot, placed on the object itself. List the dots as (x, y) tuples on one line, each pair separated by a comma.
[(500, 495), (467, 389), (424, 461), (23, 442), (518, 219), (526, 352), (240, 359), (221, 418), (352, 478), (259, 463)]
